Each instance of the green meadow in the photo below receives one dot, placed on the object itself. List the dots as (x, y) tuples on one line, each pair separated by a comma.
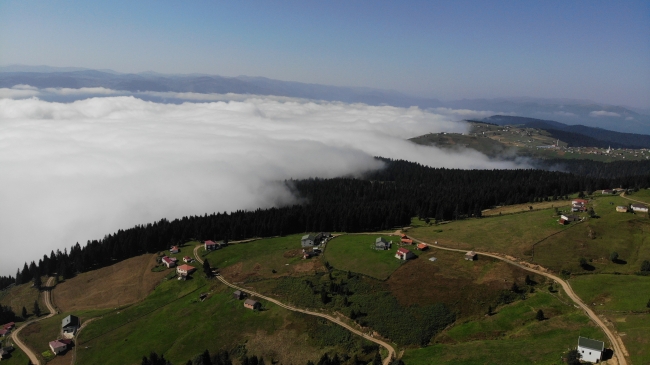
[(356, 253), (510, 336)]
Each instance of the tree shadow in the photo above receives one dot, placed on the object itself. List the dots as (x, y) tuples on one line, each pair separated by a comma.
[(608, 354), (620, 262), (587, 267)]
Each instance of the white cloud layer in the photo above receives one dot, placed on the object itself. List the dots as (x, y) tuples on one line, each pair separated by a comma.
[(77, 171), (603, 113)]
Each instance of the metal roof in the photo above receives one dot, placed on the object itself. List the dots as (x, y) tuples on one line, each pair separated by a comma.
[(591, 344)]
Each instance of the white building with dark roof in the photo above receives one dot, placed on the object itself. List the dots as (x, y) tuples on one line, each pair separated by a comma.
[(590, 350)]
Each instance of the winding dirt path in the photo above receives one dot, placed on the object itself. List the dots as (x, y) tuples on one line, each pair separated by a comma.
[(634, 200), (620, 352), (14, 335), (391, 350)]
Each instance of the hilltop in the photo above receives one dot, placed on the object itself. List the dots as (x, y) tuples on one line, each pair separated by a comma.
[(509, 141)]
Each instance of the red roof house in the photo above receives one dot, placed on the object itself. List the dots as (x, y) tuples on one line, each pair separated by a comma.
[(422, 246), (174, 249), (168, 262), (187, 259), (407, 241), (185, 269), (210, 245), (9, 326), (404, 254)]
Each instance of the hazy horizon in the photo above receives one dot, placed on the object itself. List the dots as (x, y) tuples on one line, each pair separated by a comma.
[(579, 50)]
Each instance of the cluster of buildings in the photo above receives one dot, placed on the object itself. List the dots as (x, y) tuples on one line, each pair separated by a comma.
[(315, 239), (248, 303), (69, 327), (313, 243), (183, 270)]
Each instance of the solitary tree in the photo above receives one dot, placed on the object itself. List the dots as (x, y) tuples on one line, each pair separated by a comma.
[(37, 309), (613, 257), (540, 315), (24, 313), (647, 305), (206, 268)]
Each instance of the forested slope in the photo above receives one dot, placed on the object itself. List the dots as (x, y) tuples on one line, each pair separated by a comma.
[(382, 199)]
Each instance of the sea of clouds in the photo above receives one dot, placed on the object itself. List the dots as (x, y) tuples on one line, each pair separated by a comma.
[(78, 170)]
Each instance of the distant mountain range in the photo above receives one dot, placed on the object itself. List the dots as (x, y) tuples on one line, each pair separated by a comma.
[(571, 112)]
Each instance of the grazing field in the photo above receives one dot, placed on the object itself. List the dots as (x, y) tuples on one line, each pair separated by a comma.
[(513, 234), (264, 258), (519, 208), (21, 296), (596, 238), (621, 298), (172, 321), (641, 195), (132, 279), (468, 287), (356, 253), (510, 336)]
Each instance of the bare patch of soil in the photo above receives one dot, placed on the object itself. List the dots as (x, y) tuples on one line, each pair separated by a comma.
[(291, 253), (123, 283)]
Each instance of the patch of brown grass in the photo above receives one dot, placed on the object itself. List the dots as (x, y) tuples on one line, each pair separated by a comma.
[(123, 283), (517, 208), (467, 287), (273, 348)]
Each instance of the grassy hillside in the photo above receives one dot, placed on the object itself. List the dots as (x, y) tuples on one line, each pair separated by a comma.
[(356, 253), (132, 279), (24, 295), (595, 239), (172, 321), (510, 336), (622, 299), (264, 258)]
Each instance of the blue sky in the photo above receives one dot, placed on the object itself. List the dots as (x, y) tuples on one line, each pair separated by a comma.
[(598, 50)]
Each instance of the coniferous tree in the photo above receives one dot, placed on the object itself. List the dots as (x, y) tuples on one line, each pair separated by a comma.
[(24, 313), (37, 309), (540, 315), (207, 270)]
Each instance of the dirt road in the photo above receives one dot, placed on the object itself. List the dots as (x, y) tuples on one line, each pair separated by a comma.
[(617, 343), (14, 335), (634, 200), (391, 350)]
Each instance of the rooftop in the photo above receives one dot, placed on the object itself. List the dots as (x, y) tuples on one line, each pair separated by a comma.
[(591, 344)]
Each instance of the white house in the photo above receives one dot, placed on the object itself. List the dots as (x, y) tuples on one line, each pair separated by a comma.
[(404, 254), (570, 218), (590, 350), (639, 208)]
